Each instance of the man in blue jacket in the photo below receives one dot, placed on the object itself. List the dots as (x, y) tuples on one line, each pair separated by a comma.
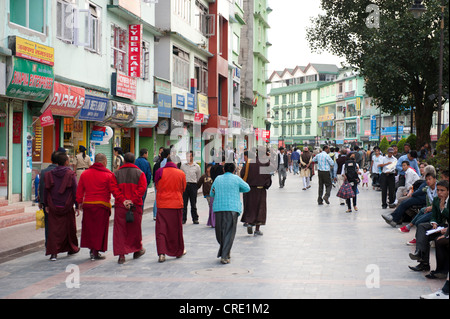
[(144, 165), (418, 198)]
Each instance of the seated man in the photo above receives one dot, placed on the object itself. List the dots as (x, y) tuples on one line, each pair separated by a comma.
[(424, 214), (418, 198), (405, 192), (439, 217)]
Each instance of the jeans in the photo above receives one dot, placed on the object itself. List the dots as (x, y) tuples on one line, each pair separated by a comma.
[(296, 166), (403, 207), (281, 175), (421, 217)]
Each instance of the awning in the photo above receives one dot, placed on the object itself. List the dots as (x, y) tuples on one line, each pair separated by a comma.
[(65, 100), (120, 113)]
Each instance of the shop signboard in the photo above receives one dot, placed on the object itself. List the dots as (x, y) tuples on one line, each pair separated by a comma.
[(180, 101), (46, 118), (29, 80), (65, 100), (123, 85), (134, 50), (146, 116), (177, 120), (203, 104), (190, 102), (94, 108), (30, 50), (121, 112), (164, 105)]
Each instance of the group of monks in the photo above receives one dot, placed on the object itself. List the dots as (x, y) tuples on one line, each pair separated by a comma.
[(63, 198)]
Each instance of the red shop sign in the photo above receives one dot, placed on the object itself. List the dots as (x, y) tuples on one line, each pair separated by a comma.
[(134, 50), (123, 86), (65, 100)]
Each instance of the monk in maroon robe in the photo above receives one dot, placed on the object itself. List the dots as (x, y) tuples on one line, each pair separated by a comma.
[(94, 198), (128, 186), (59, 199)]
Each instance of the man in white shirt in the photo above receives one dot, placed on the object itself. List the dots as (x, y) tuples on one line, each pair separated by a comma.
[(405, 192), (377, 159), (193, 173), (387, 179)]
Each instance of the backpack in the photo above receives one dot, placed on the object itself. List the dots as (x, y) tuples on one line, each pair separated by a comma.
[(351, 171)]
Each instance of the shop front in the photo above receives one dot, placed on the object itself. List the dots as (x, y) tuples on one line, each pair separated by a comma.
[(28, 83)]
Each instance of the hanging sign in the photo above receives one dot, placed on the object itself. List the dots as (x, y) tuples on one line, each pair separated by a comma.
[(123, 85), (94, 108), (134, 50), (46, 118)]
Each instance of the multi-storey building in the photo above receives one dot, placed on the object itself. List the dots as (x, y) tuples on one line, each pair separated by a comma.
[(254, 59), (87, 65)]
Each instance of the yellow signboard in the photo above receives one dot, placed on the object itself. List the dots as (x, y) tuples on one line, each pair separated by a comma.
[(34, 51), (203, 104)]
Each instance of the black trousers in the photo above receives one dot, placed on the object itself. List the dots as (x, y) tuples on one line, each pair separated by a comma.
[(442, 255), (387, 184), (190, 195), (324, 180), (423, 241), (226, 222), (349, 200)]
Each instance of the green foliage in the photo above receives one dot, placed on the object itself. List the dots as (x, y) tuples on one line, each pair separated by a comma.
[(401, 144), (384, 145), (442, 151), (412, 140)]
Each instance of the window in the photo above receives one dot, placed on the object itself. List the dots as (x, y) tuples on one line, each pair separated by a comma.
[(300, 97), (307, 129), (201, 74), (65, 13), (180, 68), (92, 29), (277, 99), (350, 130), (182, 8), (203, 21), (308, 113), (119, 39), (28, 13), (308, 96), (299, 129), (341, 88), (236, 43), (284, 99), (145, 72), (299, 113)]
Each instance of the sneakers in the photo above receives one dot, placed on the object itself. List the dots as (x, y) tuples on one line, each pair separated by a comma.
[(404, 229), (411, 242), (435, 295)]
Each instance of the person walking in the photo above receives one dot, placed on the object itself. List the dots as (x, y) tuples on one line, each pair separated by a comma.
[(42, 205), (170, 186), (305, 168), (282, 166), (227, 206), (340, 161), (350, 172), (144, 165), (205, 182), (193, 172), (82, 162), (128, 186), (324, 164), (295, 157), (255, 201), (118, 158), (60, 199), (387, 178), (94, 199)]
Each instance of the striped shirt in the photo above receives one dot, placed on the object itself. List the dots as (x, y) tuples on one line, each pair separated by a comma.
[(324, 161)]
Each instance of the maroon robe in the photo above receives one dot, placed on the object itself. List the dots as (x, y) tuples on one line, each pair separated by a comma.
[(60, 192), (169, 232), (95, 226)]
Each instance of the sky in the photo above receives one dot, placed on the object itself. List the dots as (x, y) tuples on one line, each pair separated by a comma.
[(287, 33)]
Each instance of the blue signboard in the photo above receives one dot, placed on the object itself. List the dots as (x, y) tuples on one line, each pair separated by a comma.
[(391, 130), (164, 105), (373, 125), (180, 101), (94, 108), (190, 102), (97, 136)]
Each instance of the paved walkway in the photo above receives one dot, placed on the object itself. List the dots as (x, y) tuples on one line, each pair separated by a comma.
[(307, 251)]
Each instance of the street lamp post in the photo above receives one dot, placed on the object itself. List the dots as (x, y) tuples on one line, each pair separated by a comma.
[(417, 10)]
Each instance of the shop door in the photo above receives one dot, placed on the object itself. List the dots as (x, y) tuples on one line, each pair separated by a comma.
[(3, 150)]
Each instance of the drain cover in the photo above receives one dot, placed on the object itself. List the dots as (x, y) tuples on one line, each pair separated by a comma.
[(222, 272)]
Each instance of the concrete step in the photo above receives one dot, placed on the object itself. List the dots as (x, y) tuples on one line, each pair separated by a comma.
[(16, 219), (11, 210)]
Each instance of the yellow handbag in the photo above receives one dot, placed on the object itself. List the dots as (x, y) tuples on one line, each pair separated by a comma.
[(40, 219)]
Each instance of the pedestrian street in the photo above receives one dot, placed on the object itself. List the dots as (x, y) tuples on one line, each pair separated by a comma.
[(306, 251)]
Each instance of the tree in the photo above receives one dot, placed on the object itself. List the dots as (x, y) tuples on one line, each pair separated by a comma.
[(396, 54), (412, 141), (442, 151), (384, 145), (401, 145)]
